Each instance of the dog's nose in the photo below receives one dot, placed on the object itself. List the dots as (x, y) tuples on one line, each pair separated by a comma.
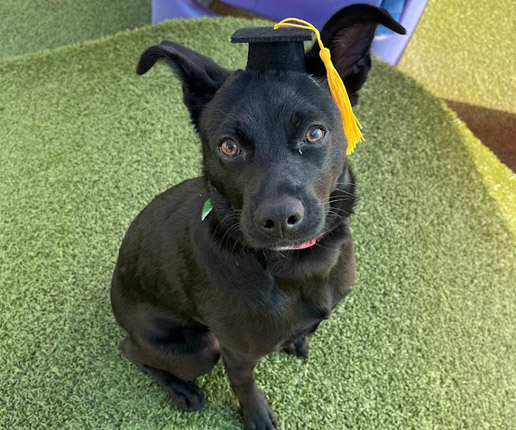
[(280, 218)]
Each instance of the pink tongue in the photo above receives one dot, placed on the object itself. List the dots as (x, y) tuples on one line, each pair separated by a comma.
[(306, 244)]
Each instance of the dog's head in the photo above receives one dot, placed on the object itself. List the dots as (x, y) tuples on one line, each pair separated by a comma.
[(274, 151)]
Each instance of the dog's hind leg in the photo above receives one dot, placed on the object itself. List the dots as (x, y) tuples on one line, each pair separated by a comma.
[(175, 363), (186, 395)]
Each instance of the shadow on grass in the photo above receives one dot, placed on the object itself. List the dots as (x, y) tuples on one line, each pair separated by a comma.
[(495, 128)]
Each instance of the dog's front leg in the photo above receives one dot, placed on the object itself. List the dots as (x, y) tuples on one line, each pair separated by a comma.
[(256, 411)]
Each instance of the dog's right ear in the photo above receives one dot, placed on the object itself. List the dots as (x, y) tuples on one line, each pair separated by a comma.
[(348, 35), (201, 76)]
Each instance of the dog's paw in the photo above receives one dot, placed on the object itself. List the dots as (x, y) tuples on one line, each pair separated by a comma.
[(257, 413), (263, 419), (299, 347), (186, 395)]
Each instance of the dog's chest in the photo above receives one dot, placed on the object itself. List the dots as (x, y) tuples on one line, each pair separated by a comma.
[(310, 302)]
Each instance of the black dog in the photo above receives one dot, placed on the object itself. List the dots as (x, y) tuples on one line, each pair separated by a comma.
[(275, 255)]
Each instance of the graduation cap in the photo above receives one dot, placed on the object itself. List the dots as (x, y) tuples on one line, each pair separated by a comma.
[(281, 48)]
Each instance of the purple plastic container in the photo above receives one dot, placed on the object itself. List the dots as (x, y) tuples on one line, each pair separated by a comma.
[(387, 45), (171, 9)]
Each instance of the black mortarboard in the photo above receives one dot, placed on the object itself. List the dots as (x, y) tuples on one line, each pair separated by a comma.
[(280, 49)]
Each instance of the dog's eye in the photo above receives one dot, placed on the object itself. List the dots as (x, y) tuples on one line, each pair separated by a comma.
[(229, 148), (314, 134)]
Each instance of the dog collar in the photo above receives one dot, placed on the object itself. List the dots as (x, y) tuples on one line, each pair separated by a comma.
[(206, 209)]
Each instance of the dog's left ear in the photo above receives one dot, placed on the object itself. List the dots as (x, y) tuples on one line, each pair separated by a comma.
[(201, 76), (348, 35)]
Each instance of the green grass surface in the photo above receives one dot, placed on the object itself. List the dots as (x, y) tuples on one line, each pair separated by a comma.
[(464, 51), (34, 25), (426, 340)]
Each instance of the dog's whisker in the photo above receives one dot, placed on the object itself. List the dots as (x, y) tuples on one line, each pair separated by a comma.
[(349, 193), (340, 216), (341, 213), (235, 242), (334, 210), (339, 200), (229, 231), (346, 196), (234, 213)]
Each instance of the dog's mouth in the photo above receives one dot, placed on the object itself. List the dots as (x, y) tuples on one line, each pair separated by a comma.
[(304, 245)]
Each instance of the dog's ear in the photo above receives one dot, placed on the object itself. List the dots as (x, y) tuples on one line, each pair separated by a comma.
[(200, 75), (348, 35)]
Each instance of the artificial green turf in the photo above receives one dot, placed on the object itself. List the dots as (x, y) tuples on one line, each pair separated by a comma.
[(464, 51), (426, 340), (34, 25)]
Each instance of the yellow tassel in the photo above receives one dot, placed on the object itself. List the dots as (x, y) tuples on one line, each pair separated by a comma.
[(338, 90)]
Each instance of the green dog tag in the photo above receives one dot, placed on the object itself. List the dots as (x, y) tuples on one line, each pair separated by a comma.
[(206, 209)]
